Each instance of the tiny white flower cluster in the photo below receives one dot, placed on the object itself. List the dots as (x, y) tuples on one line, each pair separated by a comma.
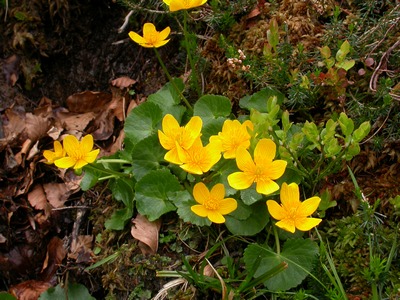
[(237, 63)]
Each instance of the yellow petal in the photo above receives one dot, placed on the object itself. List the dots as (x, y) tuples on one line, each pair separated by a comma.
[(170, 126), (176, 5), (91, 156), (65, 162), (58, 148), (286, 224), (159, 43), (166, 142), (218, 191), (275, 210), (192, 168), (168, 2), (148, 30), (71, 145), (137, 38), (290, 196), (87, 143), (191, 132), (164, 34), (308, 207), (172, 156), (240, 180), (80, 163), (227, 206), (201, 192), (266, 186), (264, 152), (216, 217), (305, 224), (49, 155), (244, 160), (276, 169), (199, 210)]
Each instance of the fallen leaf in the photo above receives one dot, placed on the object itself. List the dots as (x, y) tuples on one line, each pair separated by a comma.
[(54, 256), (81, 249), (29, 290), (146, 233), (123, 82), (73, 121), (56, 193), (36, 126), (88, 102), (11, 69), (37, 197)]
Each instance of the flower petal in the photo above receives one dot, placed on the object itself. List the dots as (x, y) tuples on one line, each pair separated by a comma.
[(227, 206), (218, 191), (191, 132), (166, 142), (305, 224), (244, 160), (159, 43), (192, 168), (80, 163), (276, 169), (199, 210), (71, 145), (65, 162), (201, 192), (290, 196), (86, 143), (286, 224), (308, 207), (266, 186), (91, 156), (137, 38), (170, 126), (216, 217), (164, 34), (58, 148), (264, 152), (172, 156), (275, 210), (240, 180), (148, 30)]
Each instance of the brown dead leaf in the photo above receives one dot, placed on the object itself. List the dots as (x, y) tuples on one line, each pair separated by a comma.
[(73, 121), (147, 234), (123, 82), (37, 197), (13, 123), (54, 256), (56, 193), (81, 249), (11, 69), (29, 290), (88, 102), (36, 126)]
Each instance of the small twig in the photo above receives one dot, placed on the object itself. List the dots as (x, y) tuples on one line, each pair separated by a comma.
[(72, 207), (379, 129), (126, 21)]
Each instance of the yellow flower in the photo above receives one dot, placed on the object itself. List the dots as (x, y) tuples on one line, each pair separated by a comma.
[(175, 5), (233, 136), (173, 134), (198, 159), (292, 213), (212, 204), (51, 156), (151, 37), (263, 170), (79, 154)]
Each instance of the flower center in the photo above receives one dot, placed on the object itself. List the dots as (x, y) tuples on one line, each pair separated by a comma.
[(211, 203), (259, 174)]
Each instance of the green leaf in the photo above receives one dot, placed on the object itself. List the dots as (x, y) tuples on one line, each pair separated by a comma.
[(122, 190), (346, 64), (119, 218), (311, 132), (343, 51), (90, 178), (250, 196), (212, 107), (6, 296), (211, 127), (258, 101), (299, 254), (142, 122), (361, 132), (253, 224), (74, 291), (325, 52), (332, 147), (353, 150), (273, 33), (224, 168), (167, 96), (346, 124), (184, 201), (146, 156), (154, 192)]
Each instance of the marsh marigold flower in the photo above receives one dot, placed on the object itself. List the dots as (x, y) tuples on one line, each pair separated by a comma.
[(151, 37), (262, 171), (79, 153), (212, 204), (58, 153), (292, 213), (175, 5), (198, 159), (234, 135), (173, 134)]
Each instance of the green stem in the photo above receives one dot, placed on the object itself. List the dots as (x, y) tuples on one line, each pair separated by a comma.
[(172, 81), (113, 160), (193, 74), (109, 172), (278, 245)]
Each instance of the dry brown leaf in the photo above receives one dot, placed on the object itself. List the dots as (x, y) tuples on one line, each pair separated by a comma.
[(29, 290), (147, 234), (81, 249), (56, 193), (72, 121), (88, 102), (13, 123), (36, 126), (123, 82), (11, 69), (54, 256), (37, 197)]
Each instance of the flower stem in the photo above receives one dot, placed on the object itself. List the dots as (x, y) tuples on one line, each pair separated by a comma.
[(172, 81), (193, 74), (278, 245), (107, 171), (113, 160)]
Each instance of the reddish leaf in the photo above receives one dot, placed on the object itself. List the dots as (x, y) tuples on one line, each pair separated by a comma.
[(29, 290)]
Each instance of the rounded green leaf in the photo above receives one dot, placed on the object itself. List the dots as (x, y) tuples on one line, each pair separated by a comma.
[(212, 107)]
